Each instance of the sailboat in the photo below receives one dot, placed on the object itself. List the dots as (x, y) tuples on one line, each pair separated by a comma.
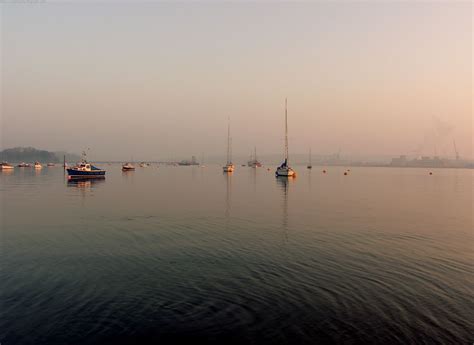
[(253, 162), (310, 166), (229, 167), (128, 167), (284, 169)]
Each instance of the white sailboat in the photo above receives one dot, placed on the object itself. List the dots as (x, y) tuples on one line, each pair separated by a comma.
[(229, 167), (128, 167), (253, 162), (284, 169)]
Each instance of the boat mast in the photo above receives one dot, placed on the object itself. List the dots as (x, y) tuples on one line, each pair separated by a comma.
[(310, 156), (228, 142), (255, 153), (286, 131)]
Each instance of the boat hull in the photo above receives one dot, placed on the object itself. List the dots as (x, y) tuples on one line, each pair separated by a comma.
[(73, 173), (285, 173), (85, 177)]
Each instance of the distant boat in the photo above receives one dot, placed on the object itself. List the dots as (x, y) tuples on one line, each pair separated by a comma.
[(51, 164), (85, 170), (128, 167), (143, 165), (253, 162), (6, 166), (24, 165), (38, 166), (310, 166), (185, 162), (229, 167), (284, 170)]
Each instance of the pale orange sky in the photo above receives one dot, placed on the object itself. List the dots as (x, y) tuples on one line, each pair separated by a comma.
[(158, 80)]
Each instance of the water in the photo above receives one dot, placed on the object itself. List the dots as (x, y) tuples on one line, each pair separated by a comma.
[(173, 254)]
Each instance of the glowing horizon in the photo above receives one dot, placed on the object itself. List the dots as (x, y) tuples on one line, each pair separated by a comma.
[(160, 79)]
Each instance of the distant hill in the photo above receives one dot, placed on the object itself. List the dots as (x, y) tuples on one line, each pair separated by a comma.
[(30, 154)]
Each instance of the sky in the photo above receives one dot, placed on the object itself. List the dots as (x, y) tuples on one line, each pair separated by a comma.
[(161, 80)]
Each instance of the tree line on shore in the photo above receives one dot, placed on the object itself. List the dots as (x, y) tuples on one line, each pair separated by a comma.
[(31, 154)]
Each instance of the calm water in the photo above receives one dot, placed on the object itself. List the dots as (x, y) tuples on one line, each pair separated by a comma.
[(186, 253)]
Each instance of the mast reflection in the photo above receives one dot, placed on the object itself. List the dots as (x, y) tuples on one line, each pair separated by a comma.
[(228, 198), (284, 186)]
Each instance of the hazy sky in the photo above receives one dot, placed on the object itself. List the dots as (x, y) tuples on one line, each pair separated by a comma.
[(160, 80)]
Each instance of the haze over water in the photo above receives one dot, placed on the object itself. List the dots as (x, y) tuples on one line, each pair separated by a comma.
[(158, 81), (381, 255)]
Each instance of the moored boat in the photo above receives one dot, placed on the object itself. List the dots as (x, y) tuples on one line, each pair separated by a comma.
[(128, 167), (6, 166), (51, 164), (253, 162), (24, 165), (284, 170), (85, 170), (38, 166), (229, 167)]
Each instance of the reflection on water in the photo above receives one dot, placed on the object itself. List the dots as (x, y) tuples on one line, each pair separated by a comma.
[(228, 195), (86, 183), (284, 186), (380, 256), (7, 171), (128, 175), (85, 187)]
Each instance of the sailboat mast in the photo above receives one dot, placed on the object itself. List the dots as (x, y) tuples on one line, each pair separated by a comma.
[(228, 142), (286, 130), (255, 153)]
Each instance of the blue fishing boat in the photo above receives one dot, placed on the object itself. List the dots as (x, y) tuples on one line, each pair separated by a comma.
[(85, 170)]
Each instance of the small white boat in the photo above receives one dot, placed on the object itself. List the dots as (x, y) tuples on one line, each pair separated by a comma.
[(143, 165), (284, 170), (24, 165), (38, 166), (128, 167), (229, 167), (6, 166)]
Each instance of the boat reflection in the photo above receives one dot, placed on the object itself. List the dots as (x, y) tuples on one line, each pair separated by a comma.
[(86, 183), (228, 197), (284, 186)]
